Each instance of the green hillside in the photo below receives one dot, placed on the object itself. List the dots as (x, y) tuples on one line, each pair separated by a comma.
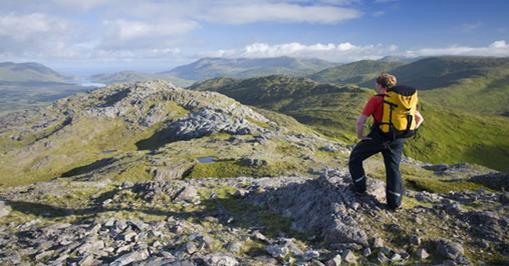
[(437, 72), (447, 136), (358, 72), (487, 94), (207, 68)]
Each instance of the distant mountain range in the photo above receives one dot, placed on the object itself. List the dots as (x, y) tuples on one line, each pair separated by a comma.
[(359, 72), (207, 68), (29, 72), (129, 76)]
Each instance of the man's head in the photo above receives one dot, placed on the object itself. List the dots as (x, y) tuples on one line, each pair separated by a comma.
[(385, 81)]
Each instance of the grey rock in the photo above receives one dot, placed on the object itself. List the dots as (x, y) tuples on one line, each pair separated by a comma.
[(484, 244), (4, 209), (449, 249), (381, 257), (129, 236), (220, 259), (310, 254), (395, 257), (343, 233), (349, 256), (504, 197), (336, 261), (241, 193), (234, 246), (330, 147), (191, 247), (205, 122), (260, 236), (110, 222), (87, 260), (189, 194), (91, 245), (43, 255), (366, 252), (277, 251), (131, 257), (253, 162), (378, 242), (415, 240)]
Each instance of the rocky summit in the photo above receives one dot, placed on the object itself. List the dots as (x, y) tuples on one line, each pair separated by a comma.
[(150, 174)]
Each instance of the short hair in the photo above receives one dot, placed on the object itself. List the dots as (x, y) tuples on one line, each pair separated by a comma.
[(386, 80)]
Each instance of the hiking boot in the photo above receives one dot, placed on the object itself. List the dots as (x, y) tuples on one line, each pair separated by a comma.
[(393, 208)]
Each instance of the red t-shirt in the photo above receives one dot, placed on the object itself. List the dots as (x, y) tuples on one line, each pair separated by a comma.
[(375, 108)]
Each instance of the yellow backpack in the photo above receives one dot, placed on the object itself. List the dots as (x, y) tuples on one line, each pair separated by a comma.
[(400, 106)]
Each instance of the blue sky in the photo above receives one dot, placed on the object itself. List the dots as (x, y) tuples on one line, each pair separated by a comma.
[(109, 35)]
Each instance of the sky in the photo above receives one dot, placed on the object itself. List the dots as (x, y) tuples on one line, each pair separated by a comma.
[(96, 36)]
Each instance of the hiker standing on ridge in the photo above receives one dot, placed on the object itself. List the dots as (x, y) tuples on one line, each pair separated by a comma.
[(395, 115)]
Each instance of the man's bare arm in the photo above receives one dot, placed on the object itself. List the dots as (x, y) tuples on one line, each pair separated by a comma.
[(418, 119), (360, 127)]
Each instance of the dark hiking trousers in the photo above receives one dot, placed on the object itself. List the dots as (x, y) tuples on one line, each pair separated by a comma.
[(391, 151)]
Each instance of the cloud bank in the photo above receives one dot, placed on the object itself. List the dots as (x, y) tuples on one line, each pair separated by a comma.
[(347, 52)]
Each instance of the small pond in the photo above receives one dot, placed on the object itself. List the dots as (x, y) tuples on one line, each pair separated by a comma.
[(207, 159)]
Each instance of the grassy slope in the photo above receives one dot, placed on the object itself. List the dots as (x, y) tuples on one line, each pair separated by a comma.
[(487, 94), (448, 136)]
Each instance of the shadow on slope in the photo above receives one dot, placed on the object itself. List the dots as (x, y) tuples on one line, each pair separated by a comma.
[(90, 167)]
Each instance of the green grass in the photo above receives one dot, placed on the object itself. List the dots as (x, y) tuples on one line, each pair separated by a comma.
[(78, 145), (486, 94), (451, 136), (234, 168)]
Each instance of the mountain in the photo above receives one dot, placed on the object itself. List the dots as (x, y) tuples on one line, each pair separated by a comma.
[(358, 72), (29, 72), (449, 135), (473, 84), (132, 76), (148, 173), (27, 85), (207, 68), (443, 71)]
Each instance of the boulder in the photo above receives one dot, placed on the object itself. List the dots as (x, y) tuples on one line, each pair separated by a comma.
[(4, 209), (449, 249)]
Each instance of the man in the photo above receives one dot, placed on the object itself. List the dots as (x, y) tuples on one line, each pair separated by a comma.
[(376, 142)]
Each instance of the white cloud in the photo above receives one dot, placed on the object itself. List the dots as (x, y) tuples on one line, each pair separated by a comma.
[(278, 12), (81, 4), (497, 48), (341, 52), (347, 52), (23, 27), (127, 29), (34, 35)]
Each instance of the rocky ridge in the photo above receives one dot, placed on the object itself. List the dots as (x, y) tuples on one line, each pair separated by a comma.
[(210, 222), (147, 173)]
